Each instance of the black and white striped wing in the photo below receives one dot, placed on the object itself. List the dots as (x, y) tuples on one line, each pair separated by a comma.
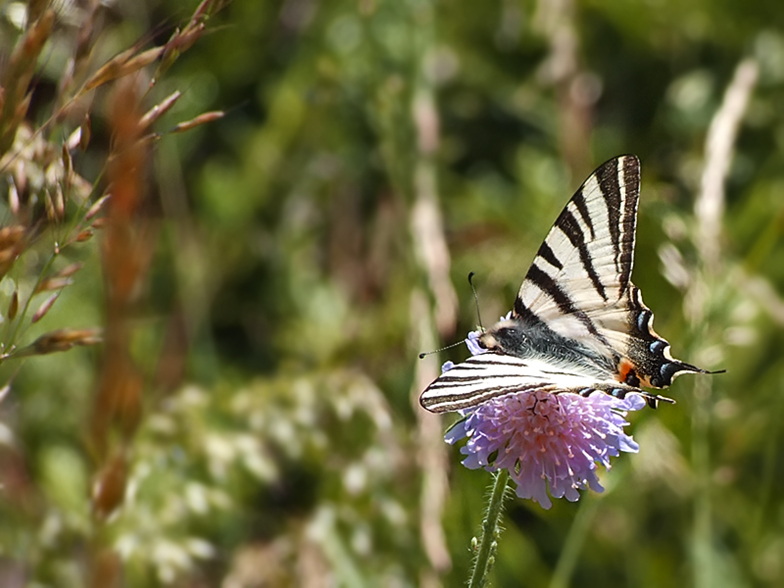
[(579, 279), (483, 377)]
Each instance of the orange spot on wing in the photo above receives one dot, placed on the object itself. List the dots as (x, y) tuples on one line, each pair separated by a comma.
[(624, 367), (627, 368)]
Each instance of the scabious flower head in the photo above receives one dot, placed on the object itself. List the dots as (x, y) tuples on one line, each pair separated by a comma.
[(547, 441)]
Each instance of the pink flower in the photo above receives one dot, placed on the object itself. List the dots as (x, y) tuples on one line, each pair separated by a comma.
[(547, 441)]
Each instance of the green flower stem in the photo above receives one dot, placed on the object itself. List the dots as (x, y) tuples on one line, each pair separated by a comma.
[(490, 531)]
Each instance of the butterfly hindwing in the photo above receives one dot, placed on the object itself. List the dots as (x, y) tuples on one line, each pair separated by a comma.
[(647, 357)]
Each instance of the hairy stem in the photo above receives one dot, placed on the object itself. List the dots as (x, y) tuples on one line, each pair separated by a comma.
[(485, 555)]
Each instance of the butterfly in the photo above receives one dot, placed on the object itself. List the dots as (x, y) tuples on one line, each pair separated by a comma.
[(578, 323)]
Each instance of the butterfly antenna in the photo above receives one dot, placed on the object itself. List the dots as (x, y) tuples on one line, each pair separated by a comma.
[(476, 299), (455, 344), (478, 316)]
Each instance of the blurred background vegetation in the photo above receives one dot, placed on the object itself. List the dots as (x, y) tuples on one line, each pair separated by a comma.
[(265, 281)]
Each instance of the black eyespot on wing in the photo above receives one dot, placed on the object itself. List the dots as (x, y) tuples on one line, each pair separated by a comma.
[(632, 379), (668, 370), (643, 321)]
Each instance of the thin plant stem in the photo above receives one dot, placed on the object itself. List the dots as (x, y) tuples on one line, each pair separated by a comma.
[(485, 555), (11, 338), (709, 210), (570, 554)]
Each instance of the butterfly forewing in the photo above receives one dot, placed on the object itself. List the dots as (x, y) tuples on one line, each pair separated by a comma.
[(586, 260)]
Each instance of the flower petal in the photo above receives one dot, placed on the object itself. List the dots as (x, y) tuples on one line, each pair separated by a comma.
[(472, 342)]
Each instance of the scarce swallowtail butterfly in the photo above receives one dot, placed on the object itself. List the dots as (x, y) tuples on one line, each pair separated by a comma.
[(578, 323)]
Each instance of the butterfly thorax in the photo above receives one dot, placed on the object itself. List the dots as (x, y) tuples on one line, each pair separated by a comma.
[(534, 340)]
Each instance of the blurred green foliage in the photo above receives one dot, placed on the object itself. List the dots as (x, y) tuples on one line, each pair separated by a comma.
[(277, 329)]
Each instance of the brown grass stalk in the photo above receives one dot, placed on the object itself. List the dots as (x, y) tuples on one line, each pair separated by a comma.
[(432, 455), (17, 77), (49, 200), (118, 399), (577, 91), (429, 243)]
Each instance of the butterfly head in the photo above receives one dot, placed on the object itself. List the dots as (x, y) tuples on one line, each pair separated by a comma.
[(503, 337)]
